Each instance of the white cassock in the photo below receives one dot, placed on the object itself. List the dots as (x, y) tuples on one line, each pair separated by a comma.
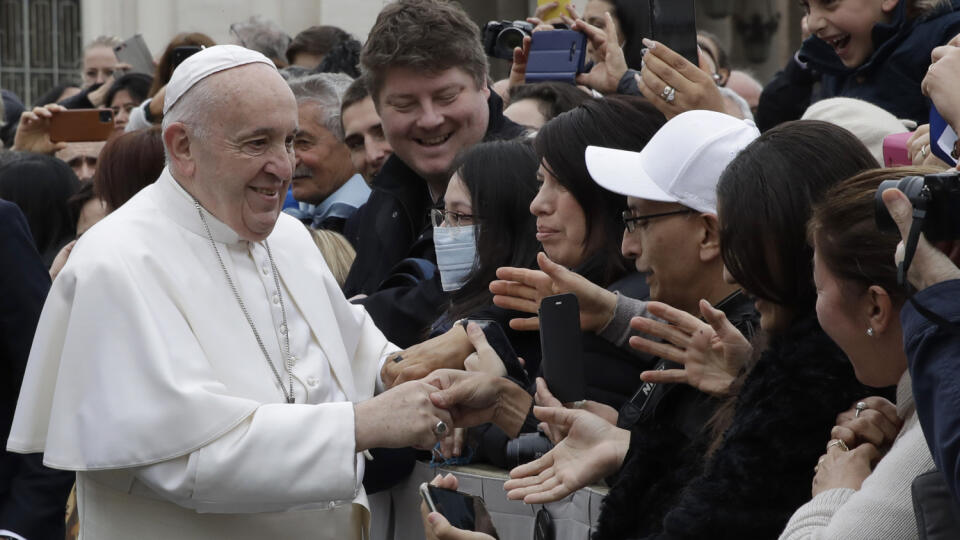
[(147, 380)]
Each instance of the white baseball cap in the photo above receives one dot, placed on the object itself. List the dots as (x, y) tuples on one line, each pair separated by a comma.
[(682, 163), (205, 63)]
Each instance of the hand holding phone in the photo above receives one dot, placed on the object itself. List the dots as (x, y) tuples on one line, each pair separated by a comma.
[(556, 55), (462, 511), (553, 14)]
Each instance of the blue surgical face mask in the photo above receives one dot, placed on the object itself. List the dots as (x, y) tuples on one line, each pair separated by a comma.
[(456, 252)]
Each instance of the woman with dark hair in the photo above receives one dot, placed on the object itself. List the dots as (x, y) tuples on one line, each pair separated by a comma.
[(128, 163), (858, 305), (41, 185), (490, 191), (127, 93), (780, 402)]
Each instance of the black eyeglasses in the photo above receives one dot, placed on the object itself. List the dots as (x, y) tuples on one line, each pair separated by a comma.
[(439, 216), (631, 222)]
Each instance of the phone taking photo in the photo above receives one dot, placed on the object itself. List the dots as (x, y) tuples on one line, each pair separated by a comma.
[(556, 55), (671, 22), (81, 125), (136, 54), (562, 347), (463, 511)]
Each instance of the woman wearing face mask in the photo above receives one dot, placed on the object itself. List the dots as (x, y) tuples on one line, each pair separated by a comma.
[(858, 305)]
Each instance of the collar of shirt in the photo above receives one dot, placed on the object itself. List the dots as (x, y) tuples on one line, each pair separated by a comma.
[(180, 205)]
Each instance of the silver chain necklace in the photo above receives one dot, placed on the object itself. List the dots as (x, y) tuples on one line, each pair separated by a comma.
[(288, 364)]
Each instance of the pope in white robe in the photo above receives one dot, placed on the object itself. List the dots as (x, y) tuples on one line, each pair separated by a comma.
[(146, 375)]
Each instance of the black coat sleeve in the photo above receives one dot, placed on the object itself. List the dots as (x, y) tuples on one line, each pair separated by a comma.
[(787, 96)]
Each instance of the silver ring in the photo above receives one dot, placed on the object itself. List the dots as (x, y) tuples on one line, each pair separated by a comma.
[(861, 405), (923, 151), (668, 94), (440, 429)]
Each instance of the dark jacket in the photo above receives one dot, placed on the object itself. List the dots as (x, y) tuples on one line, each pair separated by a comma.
[(933, 356), (32, 497), (394, 225), (787, 96), (891, 77), (761, 472)]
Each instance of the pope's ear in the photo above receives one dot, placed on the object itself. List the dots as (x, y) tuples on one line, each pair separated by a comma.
[(178, 144)]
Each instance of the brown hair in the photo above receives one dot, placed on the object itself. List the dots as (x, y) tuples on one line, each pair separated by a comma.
[(424, 35), (316, 40), (127, 164), (843, 227), (161, 76)]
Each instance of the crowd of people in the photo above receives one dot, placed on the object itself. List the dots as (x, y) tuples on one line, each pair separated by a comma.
[(298, 265)]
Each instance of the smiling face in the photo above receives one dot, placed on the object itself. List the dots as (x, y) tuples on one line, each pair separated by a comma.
[(243, 164), (323, 163), (561, 222), (363, 135), (847, 25), (429, 118)]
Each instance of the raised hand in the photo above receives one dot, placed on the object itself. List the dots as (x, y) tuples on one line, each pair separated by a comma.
[(711, 352), (930, 265), (522, 289), (692, 87), (592, 450), (609, 63), (33, 133)]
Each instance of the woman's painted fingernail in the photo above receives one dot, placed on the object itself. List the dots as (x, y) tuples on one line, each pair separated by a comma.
[(649, 43)]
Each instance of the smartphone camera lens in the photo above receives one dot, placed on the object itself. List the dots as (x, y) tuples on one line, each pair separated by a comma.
[(106, 116)]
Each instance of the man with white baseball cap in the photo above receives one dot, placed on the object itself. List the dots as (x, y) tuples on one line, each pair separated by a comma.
[(196, 362), (671, 230)]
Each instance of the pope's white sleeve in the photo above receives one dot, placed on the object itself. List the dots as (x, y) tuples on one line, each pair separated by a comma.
[(281, 457)]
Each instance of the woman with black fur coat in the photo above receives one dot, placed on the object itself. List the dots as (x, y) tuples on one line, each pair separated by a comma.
[(746, 474)]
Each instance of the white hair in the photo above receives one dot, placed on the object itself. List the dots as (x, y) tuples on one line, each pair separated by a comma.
[(327, 90), (193, 110)]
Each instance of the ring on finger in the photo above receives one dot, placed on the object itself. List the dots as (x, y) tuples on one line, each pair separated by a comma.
[(440, 429), (862, 405), (923, 151), (668, 94), (839, 444)]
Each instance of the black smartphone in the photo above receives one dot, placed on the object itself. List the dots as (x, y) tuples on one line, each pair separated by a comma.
[(671, 22), (463, 511), (561, 347), (501, 344), (556, 55), (179, 54)]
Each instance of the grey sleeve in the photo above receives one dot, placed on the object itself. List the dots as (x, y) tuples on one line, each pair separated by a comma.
[(618, 331)]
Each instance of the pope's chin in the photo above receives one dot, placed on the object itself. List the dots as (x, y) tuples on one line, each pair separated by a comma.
[(260, 213)]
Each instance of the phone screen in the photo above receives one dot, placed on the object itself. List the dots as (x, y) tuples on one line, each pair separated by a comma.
[(461, 510)]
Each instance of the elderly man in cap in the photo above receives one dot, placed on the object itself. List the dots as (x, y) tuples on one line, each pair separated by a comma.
[(194, 363)]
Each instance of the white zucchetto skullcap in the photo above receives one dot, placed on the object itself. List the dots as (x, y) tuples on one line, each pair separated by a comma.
[(205, 63)]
